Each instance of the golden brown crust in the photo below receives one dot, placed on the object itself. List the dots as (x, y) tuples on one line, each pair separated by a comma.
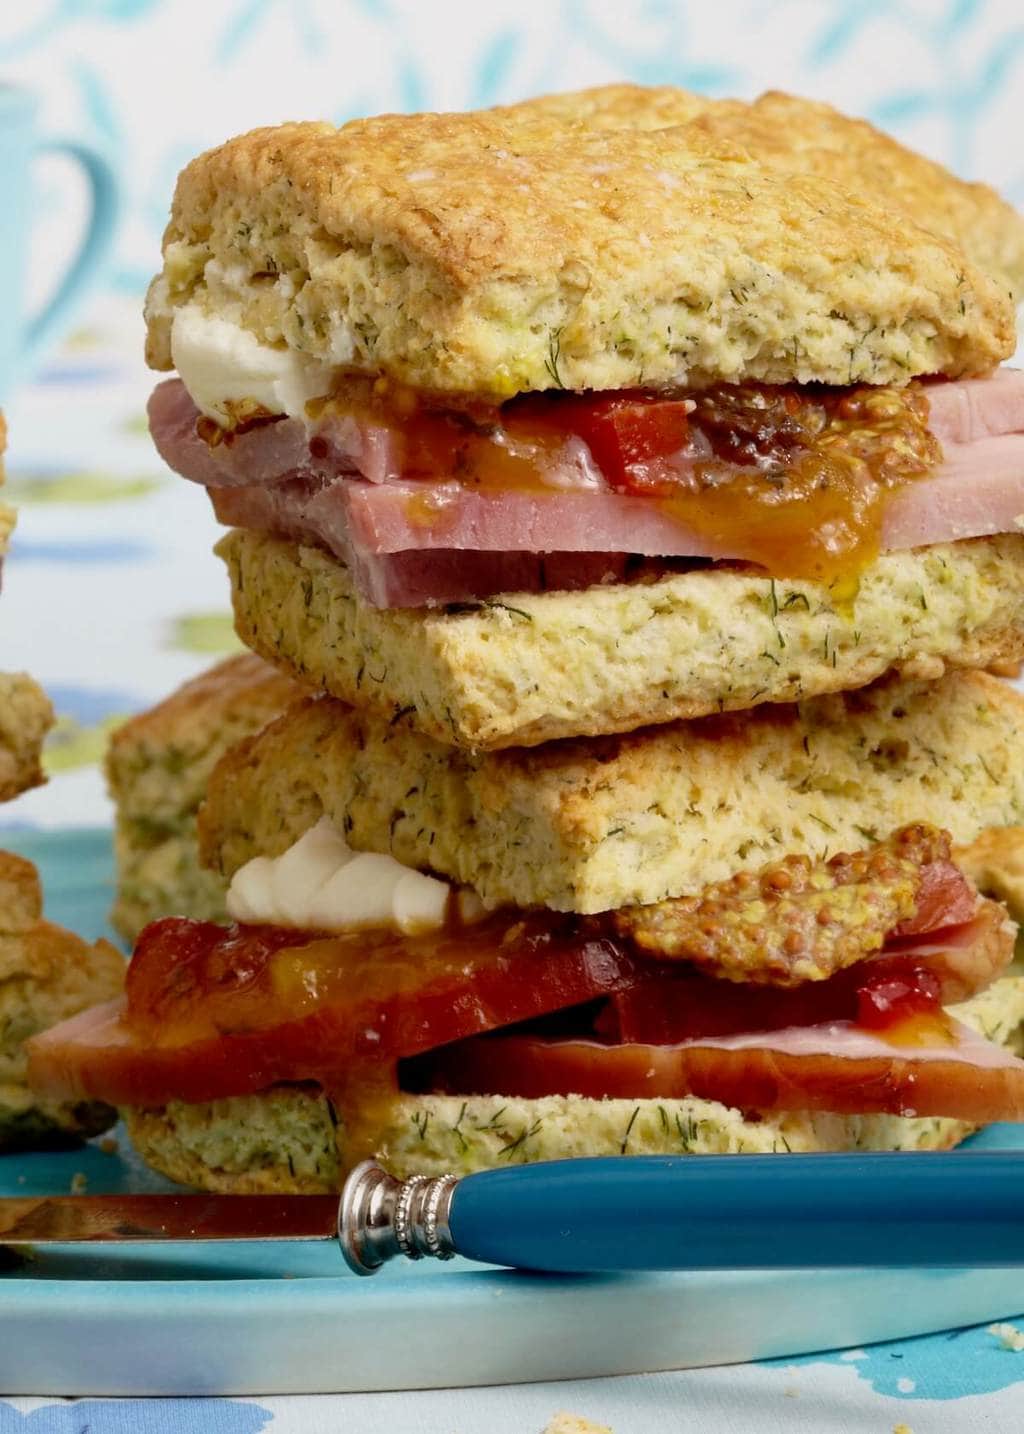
[(26, 716), (808, 136), (487, 255), (21, 896), (599, 824), (158, 765), (789, 132), (229, 700), (610, 107), (46, 975)]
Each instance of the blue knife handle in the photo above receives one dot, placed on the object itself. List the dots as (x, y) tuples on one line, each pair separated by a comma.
[(745, 1212)]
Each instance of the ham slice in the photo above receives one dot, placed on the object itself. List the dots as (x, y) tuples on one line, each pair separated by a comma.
[(834, 1067), (336, 486)]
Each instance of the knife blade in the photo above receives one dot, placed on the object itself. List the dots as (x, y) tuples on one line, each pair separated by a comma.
[(619, 1213), (133, 1219)]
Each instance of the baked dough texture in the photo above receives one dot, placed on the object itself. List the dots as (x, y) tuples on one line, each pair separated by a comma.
[(26, 716), (798, 135), (594, 825), (487, 255), (791, 133), (532, 667), (293, 1139), (46, 975), (158, 765)]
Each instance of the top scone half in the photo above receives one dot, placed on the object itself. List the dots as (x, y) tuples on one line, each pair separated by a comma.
[(427, 362)]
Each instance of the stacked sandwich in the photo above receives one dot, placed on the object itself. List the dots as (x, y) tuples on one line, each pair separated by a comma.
[(46, 973), (639, 510)]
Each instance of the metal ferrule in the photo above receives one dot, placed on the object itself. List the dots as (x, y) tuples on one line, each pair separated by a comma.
[(380, 1217)]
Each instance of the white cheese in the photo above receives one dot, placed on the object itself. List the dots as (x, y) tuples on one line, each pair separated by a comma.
[(220, 362), (320, 883)]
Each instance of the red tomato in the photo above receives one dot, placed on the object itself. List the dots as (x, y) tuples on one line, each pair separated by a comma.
[(203, 1013), (630, 435), (891, 997)]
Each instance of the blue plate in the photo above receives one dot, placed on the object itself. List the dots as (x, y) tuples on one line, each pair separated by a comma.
[(262, 1318)]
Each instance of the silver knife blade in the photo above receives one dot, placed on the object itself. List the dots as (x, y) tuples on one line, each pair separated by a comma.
[(135, 1219)]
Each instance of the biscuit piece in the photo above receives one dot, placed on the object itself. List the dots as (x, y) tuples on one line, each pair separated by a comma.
[(794, 134), (609, 107), (806, 136), (528, 668), (594, 825), (995, 863), (46, 975), (25, 718), (293, 1138), (472, 254), (158, 765), (565, 1423)]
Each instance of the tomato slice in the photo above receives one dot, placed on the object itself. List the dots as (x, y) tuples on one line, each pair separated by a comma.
[(751, 1078), (629, 439), (203, 1013)]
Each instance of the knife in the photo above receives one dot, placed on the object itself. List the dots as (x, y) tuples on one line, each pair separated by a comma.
[(613, 1213)]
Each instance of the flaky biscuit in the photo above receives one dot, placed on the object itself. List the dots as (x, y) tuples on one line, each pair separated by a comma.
[(791, 133), (526, 668), (26, 716), (158, 765), (46, 975), (594, 825), (473, 254)]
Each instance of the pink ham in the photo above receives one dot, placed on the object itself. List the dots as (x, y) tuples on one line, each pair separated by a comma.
[(336, 486), (975, 408)]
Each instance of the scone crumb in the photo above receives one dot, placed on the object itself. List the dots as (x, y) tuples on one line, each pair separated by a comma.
[(1009, 1336), (574, 1424), (79, 1183), (902, 1429), (108, 1145)]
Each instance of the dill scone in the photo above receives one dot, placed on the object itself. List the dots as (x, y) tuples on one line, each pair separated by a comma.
[(790, 132), (528, 668), (454, 252), (158, 765), (589, 826), (46, 975)]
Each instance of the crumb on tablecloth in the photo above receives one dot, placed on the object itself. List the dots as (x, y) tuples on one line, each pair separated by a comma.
[(79, 1183), (1009, 1336), (574, 1424)]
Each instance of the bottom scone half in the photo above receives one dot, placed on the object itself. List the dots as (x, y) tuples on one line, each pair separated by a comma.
[(360, 1007), (46, 975)]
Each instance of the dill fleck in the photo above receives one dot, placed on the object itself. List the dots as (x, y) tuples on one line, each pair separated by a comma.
[(554, 354)]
